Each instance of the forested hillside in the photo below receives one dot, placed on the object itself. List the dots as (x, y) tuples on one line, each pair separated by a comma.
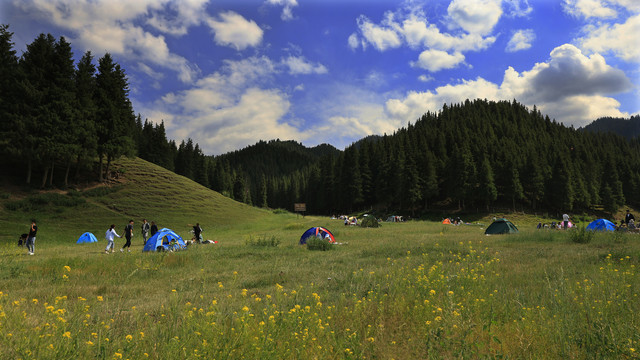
[(475, 155), (63, 123), (628, 128)]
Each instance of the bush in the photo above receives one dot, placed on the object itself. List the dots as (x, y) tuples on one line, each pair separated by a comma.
[(370, 221), (280, 211), (581, 235), (263, 241), (314, 243)]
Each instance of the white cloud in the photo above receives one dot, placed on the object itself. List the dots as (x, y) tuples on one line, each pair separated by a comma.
[(288, 5), (381, 37), (300, 65), (419, 33), (620, 39), (589, 8), (521, 40), (435, 60), (519, 8), (439, 50), (109, 26), (233, 30), (178, 16), (569, 87), (353, 41), (229, 109), (425, 78), (475, 16)]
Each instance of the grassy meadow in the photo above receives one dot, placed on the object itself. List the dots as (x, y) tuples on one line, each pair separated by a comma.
[(412, 290)]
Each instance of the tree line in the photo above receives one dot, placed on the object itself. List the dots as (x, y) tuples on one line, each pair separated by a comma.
[(475, 155)]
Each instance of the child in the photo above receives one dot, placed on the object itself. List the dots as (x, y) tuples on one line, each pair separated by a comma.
[(110, 235)]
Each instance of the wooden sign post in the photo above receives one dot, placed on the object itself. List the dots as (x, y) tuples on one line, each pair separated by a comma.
[(300, 208)]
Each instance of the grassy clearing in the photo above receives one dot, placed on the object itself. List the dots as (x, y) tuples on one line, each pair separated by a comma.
[(408, 290)]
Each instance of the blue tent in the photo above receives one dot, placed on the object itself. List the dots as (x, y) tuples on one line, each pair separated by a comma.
[(162, 239), (87, 238), (601, 225), (319, 232)]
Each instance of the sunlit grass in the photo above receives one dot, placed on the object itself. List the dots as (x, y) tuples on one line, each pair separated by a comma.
[(406, 291)]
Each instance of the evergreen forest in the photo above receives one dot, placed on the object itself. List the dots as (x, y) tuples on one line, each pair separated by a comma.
[(62, 124)]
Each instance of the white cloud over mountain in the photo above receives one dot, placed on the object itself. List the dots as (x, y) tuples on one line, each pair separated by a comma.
[(570, 86)]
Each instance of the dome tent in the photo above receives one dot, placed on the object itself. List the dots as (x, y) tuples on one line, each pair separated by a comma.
[(87, 238), (601, 225), (162, 241), (501, 226), (318, 232)]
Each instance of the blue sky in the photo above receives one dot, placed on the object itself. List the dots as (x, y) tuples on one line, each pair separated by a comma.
[(230, 73)]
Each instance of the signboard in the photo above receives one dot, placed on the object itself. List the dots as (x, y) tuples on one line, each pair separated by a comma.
[(300, 207)]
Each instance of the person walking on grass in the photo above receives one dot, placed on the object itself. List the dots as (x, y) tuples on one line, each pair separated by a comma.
[(565, 221), (197, 233), (154, 228), (31, 238), (145, 231), (628, 217), (110, 236), (128, 234)]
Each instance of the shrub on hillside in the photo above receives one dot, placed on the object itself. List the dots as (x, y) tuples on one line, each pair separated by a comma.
[(314, 243), (581, 235), (264, 241), (369, 221), (280, 211)]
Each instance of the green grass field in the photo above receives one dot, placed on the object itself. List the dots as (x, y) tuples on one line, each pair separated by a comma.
[(411, 290)]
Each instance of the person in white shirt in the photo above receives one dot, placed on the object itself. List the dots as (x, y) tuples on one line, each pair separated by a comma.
[(565, 221), (110, 235)]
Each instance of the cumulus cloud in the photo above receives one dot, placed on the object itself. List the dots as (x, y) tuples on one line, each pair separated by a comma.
[(287, 10), (571, 87), (589, 8), (439, 50), (520, 40), (435, 60), (299, 65), (519, 8), (232, 29), (620, 39), (419, 33), (177, 17), (475, 16), (230, 108), (382, 37), (109, 26)]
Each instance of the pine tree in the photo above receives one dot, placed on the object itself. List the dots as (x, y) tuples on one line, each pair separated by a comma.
[(11, 124), (115, 118), (85, 88), (487, 190)]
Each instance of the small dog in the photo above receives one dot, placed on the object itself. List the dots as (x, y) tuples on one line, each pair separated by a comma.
[(22, 241)]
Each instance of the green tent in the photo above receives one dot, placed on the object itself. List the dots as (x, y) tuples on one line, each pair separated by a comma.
[(501, 226)]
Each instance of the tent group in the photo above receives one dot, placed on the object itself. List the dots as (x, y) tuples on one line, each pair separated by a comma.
[(501, 226)]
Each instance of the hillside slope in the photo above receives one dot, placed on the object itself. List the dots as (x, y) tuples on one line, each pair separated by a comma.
[(142, 190)]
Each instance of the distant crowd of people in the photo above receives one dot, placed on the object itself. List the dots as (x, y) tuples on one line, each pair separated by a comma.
[(628, 223)]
